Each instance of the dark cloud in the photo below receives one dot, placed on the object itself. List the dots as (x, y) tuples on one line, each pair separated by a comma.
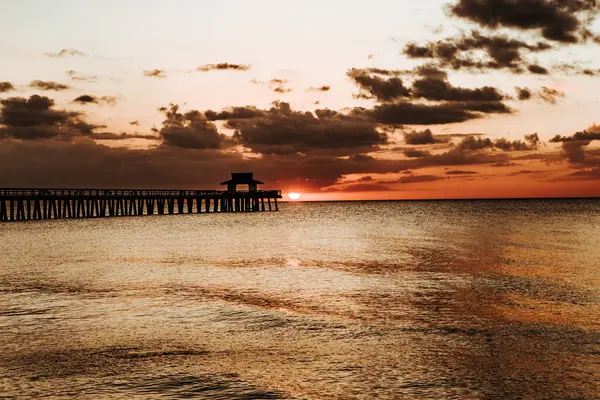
[(376, 87), (6, 87), (523, 93), (587, 135), (190, 130), (545, 94), (359, 187), (88, 99), (531, 142), (537, 69), (223, 67), (464, 51), (278, 85), (67, 53), (281, 130), (571, 69), (442, 90), (573, 146), (422, 137), (323, 88), (242, 112), (76, 76), (585, 174), (413, 153), (557, 20), (407, 113), (48, 85), (155, 73), (461, 172), (418, 179), (36, 118), (550, 95)]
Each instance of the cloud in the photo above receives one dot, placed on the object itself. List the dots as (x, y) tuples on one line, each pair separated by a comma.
[(441, 90), (545, 94), (190, 130), (592, 133), (76, 76), (88, 99), (537, 69), (406, 113), (464, 51), (550, 95), (472, 143), (586, 174), (278, 85), (461, 172), (418, 178), (6, 87), (422, 137), (412, 153), (372, 86), (282, 130), (36, 118), (67, 53), (359, 187), (48, 85), (239, 112), (155, 73), (223, 67), (573, 146), (564, 21), (324, 88), (523, 93)]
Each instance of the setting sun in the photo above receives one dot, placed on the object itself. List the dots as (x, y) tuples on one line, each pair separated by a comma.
[(294, 196)]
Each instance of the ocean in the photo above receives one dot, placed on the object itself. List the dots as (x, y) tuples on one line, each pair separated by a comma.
[(334, 300)]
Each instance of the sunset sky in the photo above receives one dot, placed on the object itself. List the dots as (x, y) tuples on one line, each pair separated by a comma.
[(333, 99)]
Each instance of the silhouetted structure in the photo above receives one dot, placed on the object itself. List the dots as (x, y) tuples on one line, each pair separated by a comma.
[(32, 204), (242, 178)]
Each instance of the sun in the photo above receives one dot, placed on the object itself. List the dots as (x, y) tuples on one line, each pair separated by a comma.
[(294, 196)]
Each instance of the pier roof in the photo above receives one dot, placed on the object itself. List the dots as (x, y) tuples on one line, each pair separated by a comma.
[(242, 178)]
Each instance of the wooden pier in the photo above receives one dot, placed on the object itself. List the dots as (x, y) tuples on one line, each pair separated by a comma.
[(36, 204)]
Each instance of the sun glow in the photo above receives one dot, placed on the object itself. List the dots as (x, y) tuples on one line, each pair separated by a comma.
[(294, 196)]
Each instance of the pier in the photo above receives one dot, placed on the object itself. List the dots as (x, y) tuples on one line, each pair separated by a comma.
[(37, 204)]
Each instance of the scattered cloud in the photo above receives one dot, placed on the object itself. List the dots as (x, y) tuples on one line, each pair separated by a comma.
[(76, 76), (461, 172), (48, 85), (376, 87), (89, 99), (155, 73), (67, 53), (6, 87), (422, 137), (278, 85), (324, 88), (223, 67), (550, 95), (477, 51)]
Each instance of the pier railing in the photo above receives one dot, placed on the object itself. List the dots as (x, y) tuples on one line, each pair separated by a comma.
[(129, 192), (17, 204)]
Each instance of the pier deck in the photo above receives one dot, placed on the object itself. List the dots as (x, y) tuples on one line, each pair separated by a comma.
[(35, 204)]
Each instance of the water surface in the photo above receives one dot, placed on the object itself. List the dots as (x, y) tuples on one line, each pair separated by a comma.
[(389, 300)]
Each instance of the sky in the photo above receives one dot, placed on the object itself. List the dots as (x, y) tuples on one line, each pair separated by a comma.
[(335, 100)]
